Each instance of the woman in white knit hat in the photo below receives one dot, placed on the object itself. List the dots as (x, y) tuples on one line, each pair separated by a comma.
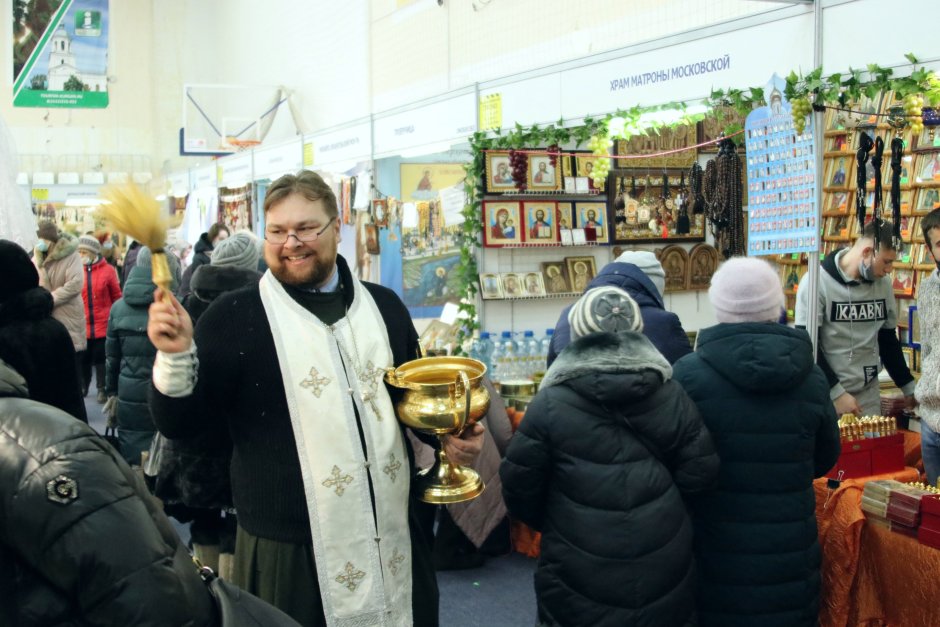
[(767, 405), (609, 446)]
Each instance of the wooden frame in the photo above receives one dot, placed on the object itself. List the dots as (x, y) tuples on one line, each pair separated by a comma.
[(838, 228), (580, 272), (703, 262), (675, 262), (497, 231), (837, 203), (499, 173), (555, 277), (926, 200), (839, 173), (927, 169)]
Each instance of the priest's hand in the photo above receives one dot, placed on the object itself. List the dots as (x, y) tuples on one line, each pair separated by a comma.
[(465, 449), (169, 326)]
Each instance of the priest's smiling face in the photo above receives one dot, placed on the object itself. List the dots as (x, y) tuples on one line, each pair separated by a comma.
[(296, 262)]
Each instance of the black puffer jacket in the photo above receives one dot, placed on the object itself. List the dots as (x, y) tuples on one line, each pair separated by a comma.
[(599, 465), (81, 541), (129, 364), (767, 406)]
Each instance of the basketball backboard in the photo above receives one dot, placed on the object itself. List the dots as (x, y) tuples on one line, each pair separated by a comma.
[(219, 120)]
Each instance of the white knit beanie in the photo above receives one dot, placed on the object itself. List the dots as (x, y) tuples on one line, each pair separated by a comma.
[(241, 250), (647, 262), (604, 309), (745, 289)]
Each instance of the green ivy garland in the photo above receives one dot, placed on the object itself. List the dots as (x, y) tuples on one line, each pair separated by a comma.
[(834, 90)]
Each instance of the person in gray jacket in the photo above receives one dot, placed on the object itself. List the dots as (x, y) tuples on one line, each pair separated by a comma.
[(857, 322), (928, 387)]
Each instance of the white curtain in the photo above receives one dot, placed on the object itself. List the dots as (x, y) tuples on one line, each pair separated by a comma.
[(17, 222)]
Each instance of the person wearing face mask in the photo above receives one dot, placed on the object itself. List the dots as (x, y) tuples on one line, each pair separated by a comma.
[(100, 292), (60, 272), (108, 252), (857, 322)]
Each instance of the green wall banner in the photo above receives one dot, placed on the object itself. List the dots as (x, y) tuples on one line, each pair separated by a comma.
[(60, 53)]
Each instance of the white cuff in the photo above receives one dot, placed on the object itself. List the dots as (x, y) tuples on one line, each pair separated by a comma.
[(174, 374)]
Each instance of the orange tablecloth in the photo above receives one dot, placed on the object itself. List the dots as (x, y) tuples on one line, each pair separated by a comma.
[(898, 581), (840, 519)]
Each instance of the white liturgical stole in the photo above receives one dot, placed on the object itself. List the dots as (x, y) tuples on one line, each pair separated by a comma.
[(363, 554)]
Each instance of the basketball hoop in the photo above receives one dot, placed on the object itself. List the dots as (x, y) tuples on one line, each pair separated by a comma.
[(241, 145)]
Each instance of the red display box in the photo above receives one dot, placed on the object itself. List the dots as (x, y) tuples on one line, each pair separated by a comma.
[(930, 505), (871, 456), (929, 537)]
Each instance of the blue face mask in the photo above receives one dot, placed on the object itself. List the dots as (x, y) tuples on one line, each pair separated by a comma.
[(42, 246), (108, 245), (867, 271)]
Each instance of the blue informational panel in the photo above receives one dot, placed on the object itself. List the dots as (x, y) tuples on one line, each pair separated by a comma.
[(781, 179)]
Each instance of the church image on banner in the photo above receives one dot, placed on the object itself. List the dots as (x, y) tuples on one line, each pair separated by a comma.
[(62, 65)]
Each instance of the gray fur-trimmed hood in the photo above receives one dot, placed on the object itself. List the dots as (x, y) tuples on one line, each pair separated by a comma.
[(607, 353)]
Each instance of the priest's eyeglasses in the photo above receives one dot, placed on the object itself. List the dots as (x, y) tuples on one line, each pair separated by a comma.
[(303, 234)]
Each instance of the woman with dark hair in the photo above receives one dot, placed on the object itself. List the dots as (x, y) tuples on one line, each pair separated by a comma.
[(202, 254), (34, 343)]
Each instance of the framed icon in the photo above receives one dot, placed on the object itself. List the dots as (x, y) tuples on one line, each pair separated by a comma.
[(499, 173), (380, 212), (580, 271), (501, 222), (555, 277), (491, 286), (533, 284), (592, 217), (540, 227), (513, 284), (542, 174)]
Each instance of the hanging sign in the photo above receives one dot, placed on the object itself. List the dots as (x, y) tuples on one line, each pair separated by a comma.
[(205, 177), (781, 179), (274, 161), (491, 112), (349, 144), (446, 120), (60, 54)]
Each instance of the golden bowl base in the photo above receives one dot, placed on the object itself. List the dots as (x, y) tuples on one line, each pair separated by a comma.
[(445, 483)]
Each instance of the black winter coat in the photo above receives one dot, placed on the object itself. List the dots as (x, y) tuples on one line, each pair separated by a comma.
[(767, 406), (195, 471), (662, 327), (200, 258), (129, 364), (40, 348), (82, 543), (608, 448)]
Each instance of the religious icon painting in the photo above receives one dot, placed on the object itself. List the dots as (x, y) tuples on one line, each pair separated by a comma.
[(903, 282), (580, 272), (926, 200), (380, 212), (563, 215), (513, 284), (372, 239), (540, 225), (533, 284), (499, 173), (543, 173), (501, 223), (927, 171), (555, 277), (491, 286), (592, 217), (675, 262)]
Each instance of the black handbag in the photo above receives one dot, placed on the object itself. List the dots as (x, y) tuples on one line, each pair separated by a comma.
[(110, 436), (237, 608)]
